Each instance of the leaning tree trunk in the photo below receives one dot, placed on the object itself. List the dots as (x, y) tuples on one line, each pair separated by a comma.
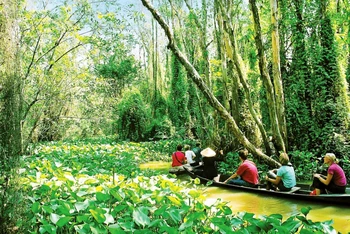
[(205, 90)]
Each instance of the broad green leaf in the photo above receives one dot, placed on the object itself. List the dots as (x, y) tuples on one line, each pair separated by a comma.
[(175, 215), (102, 197), (82, 229), (82, 193), (127, 226), (98, 230), (140, 218), (305, 210), (292, 225), (109, 219), (236, 222), (36, 207), (47, 209), (47, 228), (64, 208), (79, 206), (54, 217), (63, 221), (115, 229), (83, 218), (98, 214)]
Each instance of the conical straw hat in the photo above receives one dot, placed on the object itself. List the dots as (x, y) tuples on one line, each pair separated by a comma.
[(208, 152)]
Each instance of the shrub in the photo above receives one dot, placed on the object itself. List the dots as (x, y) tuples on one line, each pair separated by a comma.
[(133, 116)]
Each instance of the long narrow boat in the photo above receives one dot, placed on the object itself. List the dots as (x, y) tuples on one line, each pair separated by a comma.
[(299, 192)]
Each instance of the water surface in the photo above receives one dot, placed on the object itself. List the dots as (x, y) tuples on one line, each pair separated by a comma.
[(265, 205)]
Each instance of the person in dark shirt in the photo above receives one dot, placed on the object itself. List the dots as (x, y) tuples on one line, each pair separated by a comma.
[(197, 151), (209, 163)]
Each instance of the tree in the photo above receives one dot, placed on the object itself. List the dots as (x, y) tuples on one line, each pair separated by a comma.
[(10, 112), (204, 88)]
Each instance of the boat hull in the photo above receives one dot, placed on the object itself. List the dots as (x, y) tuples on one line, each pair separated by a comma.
[(302, 194)]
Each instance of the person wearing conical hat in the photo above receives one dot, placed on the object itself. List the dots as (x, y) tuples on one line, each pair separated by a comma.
[(209, 163)]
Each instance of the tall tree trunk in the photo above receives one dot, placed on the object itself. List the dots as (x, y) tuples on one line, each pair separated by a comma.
[(205, 89), (10, 106), (270, 95), (276, 72)]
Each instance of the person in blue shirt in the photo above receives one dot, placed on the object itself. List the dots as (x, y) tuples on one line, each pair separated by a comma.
[(284, 179)]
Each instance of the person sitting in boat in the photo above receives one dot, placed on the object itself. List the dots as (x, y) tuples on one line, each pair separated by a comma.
[(334, 182), (209, 164), (190, 155), (246, 174), (178, 158), (282, 178), (197, 151)]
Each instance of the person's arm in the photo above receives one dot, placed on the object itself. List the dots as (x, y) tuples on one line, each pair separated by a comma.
[(231, 177), (323, 180), (274, 181)]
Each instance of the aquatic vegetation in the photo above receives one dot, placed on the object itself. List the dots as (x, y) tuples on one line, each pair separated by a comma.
[(98, 188)]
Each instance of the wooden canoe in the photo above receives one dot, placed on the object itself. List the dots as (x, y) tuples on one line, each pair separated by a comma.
[(299, 192)]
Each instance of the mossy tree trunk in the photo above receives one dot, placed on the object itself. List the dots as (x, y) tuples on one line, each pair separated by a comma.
[(10, 109)]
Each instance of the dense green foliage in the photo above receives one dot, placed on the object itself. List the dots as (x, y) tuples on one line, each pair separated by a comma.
[(178, 100), (97, 187), (133, 116), (10, 114)]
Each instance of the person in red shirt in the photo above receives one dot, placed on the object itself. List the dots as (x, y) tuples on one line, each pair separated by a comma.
[(246, 174), (178, 157)]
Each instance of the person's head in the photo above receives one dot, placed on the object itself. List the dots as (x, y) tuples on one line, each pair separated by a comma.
[(330, 158), (243, 154), (198, 144), (208, 152), (284, 159), (179, 147), (187, 147)]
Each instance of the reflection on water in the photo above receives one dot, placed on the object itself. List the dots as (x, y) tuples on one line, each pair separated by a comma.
[(156, 165), (265, 205)]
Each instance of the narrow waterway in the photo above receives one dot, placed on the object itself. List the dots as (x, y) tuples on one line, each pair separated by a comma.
[(264, 205)]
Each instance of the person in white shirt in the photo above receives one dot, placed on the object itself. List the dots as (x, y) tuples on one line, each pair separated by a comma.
[(190, 155)]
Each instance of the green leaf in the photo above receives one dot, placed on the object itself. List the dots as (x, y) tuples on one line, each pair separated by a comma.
[(102, 197), (109, 219), (98, 214), (140, 217), (98, 230), (47, 228), (305, 210), (64, 208), (79, 206), (115, 229), (63, 221), (36, 207), (175, 215), (54, 218), (236, 222), (47, 209), (83, 218), (291, 225)]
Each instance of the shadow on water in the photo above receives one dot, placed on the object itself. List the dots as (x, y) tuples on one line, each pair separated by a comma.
[(265, 205)]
